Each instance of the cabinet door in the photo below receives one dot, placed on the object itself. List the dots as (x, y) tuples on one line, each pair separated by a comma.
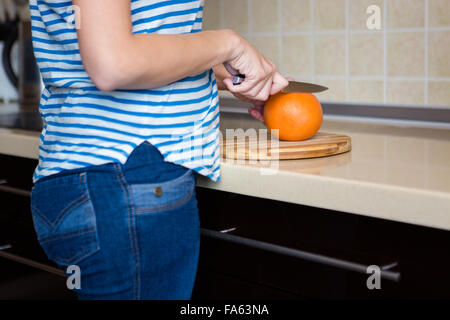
[(19, 281), (25, 271), (17, 236), (17, 172), (419, 255), (17, 233)]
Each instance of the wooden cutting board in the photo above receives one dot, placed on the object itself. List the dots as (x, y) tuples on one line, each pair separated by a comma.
[(321, 145)]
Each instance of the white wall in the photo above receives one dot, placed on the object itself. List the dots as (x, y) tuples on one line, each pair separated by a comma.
[(7, 91)]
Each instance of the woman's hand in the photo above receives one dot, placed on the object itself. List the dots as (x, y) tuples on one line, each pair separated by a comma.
[(257, 110), (261, 77)]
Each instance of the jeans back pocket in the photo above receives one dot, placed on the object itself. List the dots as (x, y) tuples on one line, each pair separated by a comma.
[(164, 196), (64, 218)]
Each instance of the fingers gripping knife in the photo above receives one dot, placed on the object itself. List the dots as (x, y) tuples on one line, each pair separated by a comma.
[(294, 86), (238, 78)]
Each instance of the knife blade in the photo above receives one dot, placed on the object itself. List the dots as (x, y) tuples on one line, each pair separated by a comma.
[(293, 86)]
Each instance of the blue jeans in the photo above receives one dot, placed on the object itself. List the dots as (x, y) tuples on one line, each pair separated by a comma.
[(133, 229)]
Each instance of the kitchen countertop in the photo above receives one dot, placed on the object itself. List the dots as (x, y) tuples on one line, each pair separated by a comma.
[(394, 172)]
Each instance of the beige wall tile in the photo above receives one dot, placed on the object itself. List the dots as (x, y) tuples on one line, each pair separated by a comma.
[(439, 53), (211, 15), (330, 55), (406, 92), (406, 54), (336, 90), (236, 15), (366, 91), (405, 50), (329, 14), (296, 15), (358, 16), (439, 93), (296, 59), (265, 16), (438, 13), (269, 47), (366, 54), (405, 13)]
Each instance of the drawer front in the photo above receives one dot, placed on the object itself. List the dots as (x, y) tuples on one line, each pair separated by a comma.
[(419, 255), (17, 172), (17, 235), (16, 229), (22, 282)]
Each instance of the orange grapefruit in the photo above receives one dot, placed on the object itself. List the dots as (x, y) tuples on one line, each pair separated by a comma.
[(297, 116)]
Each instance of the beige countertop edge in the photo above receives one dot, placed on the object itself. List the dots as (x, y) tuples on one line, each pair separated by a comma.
[(425, 208), (19, 143)]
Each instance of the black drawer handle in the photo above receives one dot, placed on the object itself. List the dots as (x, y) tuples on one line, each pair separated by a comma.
[(32, 263), (8, 189), (313, 257), (5, 247)]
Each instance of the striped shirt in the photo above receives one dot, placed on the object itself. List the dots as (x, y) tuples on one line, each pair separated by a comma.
[(84, 126)]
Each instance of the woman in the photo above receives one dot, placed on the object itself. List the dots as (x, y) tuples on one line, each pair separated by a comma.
[(130, 112)]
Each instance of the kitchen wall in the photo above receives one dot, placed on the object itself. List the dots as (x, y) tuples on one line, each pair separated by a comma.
[(327, 41), (406, 62), (7, 91)]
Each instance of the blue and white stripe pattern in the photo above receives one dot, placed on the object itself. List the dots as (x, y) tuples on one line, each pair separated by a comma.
[(84, 126)]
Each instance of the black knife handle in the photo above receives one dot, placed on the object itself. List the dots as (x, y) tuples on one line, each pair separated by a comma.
[(238, 78)]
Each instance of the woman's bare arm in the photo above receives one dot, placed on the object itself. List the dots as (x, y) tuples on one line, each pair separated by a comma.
[(115, 58)]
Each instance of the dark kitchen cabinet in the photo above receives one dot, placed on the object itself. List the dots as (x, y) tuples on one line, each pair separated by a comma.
[(16, 226), (420, 255), (19, 281), (230, 270), (25, 271)]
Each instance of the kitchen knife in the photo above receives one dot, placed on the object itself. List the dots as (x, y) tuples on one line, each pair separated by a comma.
[(293, 86), (237, 77)]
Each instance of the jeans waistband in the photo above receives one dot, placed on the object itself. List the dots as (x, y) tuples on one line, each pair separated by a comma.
[(144, 165)]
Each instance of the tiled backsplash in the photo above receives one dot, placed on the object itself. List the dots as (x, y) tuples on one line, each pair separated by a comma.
[(406, 62)]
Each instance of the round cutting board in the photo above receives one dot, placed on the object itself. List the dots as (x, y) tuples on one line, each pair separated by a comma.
[(321, 145)]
